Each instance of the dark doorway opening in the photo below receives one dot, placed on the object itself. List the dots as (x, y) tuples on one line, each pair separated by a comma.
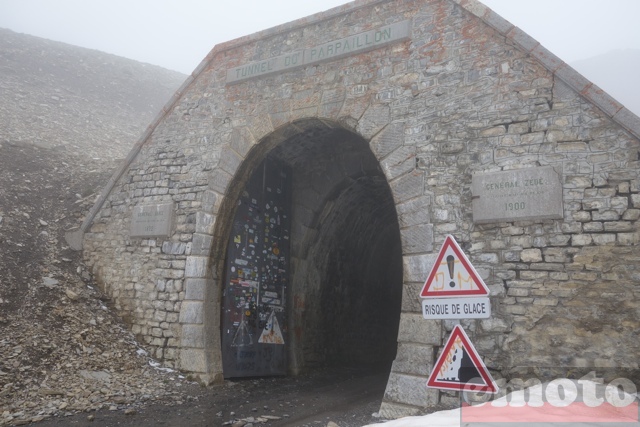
[(345, 276)]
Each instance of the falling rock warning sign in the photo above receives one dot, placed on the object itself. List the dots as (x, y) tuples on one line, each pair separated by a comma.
[(460, 368), (452, 275)]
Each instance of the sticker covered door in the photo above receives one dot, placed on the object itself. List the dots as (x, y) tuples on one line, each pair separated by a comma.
[(254, 323)]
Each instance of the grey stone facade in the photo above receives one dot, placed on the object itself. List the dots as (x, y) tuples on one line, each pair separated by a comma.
[(466, 93)]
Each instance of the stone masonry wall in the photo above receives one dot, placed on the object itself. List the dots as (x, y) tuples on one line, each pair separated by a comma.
[(466, 93)]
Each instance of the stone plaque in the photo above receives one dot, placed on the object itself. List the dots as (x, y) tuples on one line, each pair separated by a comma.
[(152, 220), (522, 194), (335, 49)]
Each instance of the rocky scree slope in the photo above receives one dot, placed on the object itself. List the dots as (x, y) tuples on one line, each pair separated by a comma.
[(68, 115)]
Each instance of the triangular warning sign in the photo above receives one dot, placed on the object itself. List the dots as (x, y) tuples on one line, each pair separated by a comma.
[(452, 275), (460, 368), (272, 333)]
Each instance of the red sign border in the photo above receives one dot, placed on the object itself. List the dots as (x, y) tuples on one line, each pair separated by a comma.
[(482, 290)]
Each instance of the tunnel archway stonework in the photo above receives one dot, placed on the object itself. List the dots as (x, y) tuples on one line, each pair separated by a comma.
[(385, 111)]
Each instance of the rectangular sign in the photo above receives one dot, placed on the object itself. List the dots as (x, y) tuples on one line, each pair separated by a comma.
[(521, 194), (456, 308), (152, 220), (328, 51)]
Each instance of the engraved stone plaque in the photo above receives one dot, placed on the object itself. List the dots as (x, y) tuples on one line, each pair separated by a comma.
[(152, 220), (522, 194), (352, 45)]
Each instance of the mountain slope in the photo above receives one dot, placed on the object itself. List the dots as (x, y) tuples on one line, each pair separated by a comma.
[(67, 115), (56, 95)]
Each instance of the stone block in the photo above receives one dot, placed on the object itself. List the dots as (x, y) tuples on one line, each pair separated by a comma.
[(604, 239), (374, 119), (415, 329), (417, 268), (192, 336), (628, 239), (195, 288), (523, 39), (387, 141), (417, 239), (548, 59), (531, 255), (229, 160), (210, 201), (551, 302), (618, 226), (498, 22), (201, 244), (193, 360), (219, 181), (581, 239), (602, 99), (242, 140), (196, 266), (593, 227), (415, 212), (399, 162), (628, 120), (518, 292), (414, 359), (572, 78), (392, 411), (533, 275), (561, 239), (192, 312), (411, 301), (516, 309), (205, 223), (606, 216), (410, 390), (408, 186)]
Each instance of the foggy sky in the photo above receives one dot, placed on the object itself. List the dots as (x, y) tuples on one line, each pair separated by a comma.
[(178, 34)]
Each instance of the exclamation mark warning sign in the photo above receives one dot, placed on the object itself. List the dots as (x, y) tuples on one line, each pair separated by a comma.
[(452, 275)]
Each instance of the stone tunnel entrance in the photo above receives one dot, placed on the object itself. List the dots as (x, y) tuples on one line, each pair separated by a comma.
[(344, 285)]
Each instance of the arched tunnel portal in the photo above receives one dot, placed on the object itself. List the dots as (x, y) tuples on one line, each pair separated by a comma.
[(341, 306)]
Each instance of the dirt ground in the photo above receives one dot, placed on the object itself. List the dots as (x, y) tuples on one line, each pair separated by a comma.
[(346, 397)]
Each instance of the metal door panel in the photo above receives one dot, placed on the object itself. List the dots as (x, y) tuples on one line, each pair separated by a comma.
[(254, 324)]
